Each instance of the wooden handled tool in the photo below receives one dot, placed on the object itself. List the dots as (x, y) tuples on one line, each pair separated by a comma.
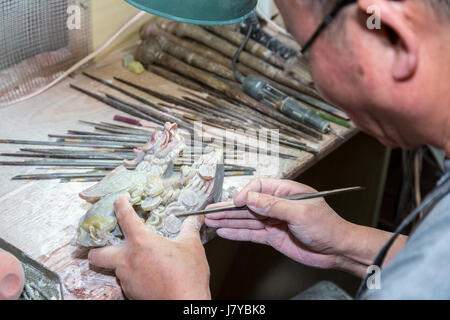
[(228, 49), (303, 196), (151, 52)]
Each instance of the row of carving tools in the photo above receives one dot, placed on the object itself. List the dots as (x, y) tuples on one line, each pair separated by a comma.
[(207, 56), (85, 156), (212, 110)]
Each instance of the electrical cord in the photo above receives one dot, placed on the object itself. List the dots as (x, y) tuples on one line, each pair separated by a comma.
[(239, 76)]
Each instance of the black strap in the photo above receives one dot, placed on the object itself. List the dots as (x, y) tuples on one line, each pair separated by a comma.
[(442, 189)]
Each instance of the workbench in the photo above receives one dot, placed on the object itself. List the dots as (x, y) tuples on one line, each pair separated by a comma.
[(41, 217)]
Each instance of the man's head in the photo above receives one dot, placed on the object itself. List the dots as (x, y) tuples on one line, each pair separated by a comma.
[(392, 81)]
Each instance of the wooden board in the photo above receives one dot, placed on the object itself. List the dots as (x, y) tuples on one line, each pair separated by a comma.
[(41, 217)]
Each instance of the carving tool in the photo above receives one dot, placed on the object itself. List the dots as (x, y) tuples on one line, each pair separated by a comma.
[(88, 176), (253, 47), (131, 134), (125, 153), (267, 94), (226, 174), (303, 196), (264, 92), (195, 60), (265, 39), (64, 163), (78, 156), (313, 101), (55, 176), (79, 138), (164, 115), (145, 130), (118, 130), (129, 94), (135, 122), (340, 122), (68, 144), (134, 112)]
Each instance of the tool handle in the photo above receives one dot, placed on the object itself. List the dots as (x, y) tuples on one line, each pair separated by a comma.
[(301, 113), (303, 196), (340, 122)]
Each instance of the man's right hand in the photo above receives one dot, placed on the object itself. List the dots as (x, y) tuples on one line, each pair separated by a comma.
[(308, 231)]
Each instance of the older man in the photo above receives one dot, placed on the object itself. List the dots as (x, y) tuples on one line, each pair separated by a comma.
[(393, 82)]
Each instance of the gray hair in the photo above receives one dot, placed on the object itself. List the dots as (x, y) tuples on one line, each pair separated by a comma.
[(441, 7)]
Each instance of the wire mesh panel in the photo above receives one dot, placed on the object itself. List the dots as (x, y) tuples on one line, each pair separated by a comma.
[(38, 40)]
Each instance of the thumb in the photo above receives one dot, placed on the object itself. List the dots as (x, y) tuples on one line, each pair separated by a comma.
[(191, 228), (270, 206), (128, 220)]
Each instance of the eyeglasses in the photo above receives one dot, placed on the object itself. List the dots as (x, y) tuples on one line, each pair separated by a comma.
[(328, 19)]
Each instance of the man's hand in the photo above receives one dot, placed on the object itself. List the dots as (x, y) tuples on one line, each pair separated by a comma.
[(308, 231), (152, 267)]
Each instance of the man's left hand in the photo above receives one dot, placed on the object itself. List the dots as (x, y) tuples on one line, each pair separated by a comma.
[(152, 267)]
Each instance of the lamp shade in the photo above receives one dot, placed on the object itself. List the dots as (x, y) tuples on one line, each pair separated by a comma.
[(202, 12)]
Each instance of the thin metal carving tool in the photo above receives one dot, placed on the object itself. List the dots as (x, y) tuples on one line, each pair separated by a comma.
[(303, 196)]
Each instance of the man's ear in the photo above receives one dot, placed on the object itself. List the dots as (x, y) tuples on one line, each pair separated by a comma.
[(393, 16)]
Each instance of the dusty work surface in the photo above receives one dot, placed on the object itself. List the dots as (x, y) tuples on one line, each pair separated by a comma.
[(41, 217)]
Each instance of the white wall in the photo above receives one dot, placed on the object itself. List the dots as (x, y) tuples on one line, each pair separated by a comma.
[(266, 6)]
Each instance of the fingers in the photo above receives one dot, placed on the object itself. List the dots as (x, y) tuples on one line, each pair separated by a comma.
[(272, 207), (128, 220), (235, 214), (257, 236), (236, 223), (274, 187), (220, 204), (190, 228), (106, 257), (218, 215)]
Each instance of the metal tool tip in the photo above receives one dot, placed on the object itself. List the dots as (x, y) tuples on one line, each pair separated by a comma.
[(333, 132)]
